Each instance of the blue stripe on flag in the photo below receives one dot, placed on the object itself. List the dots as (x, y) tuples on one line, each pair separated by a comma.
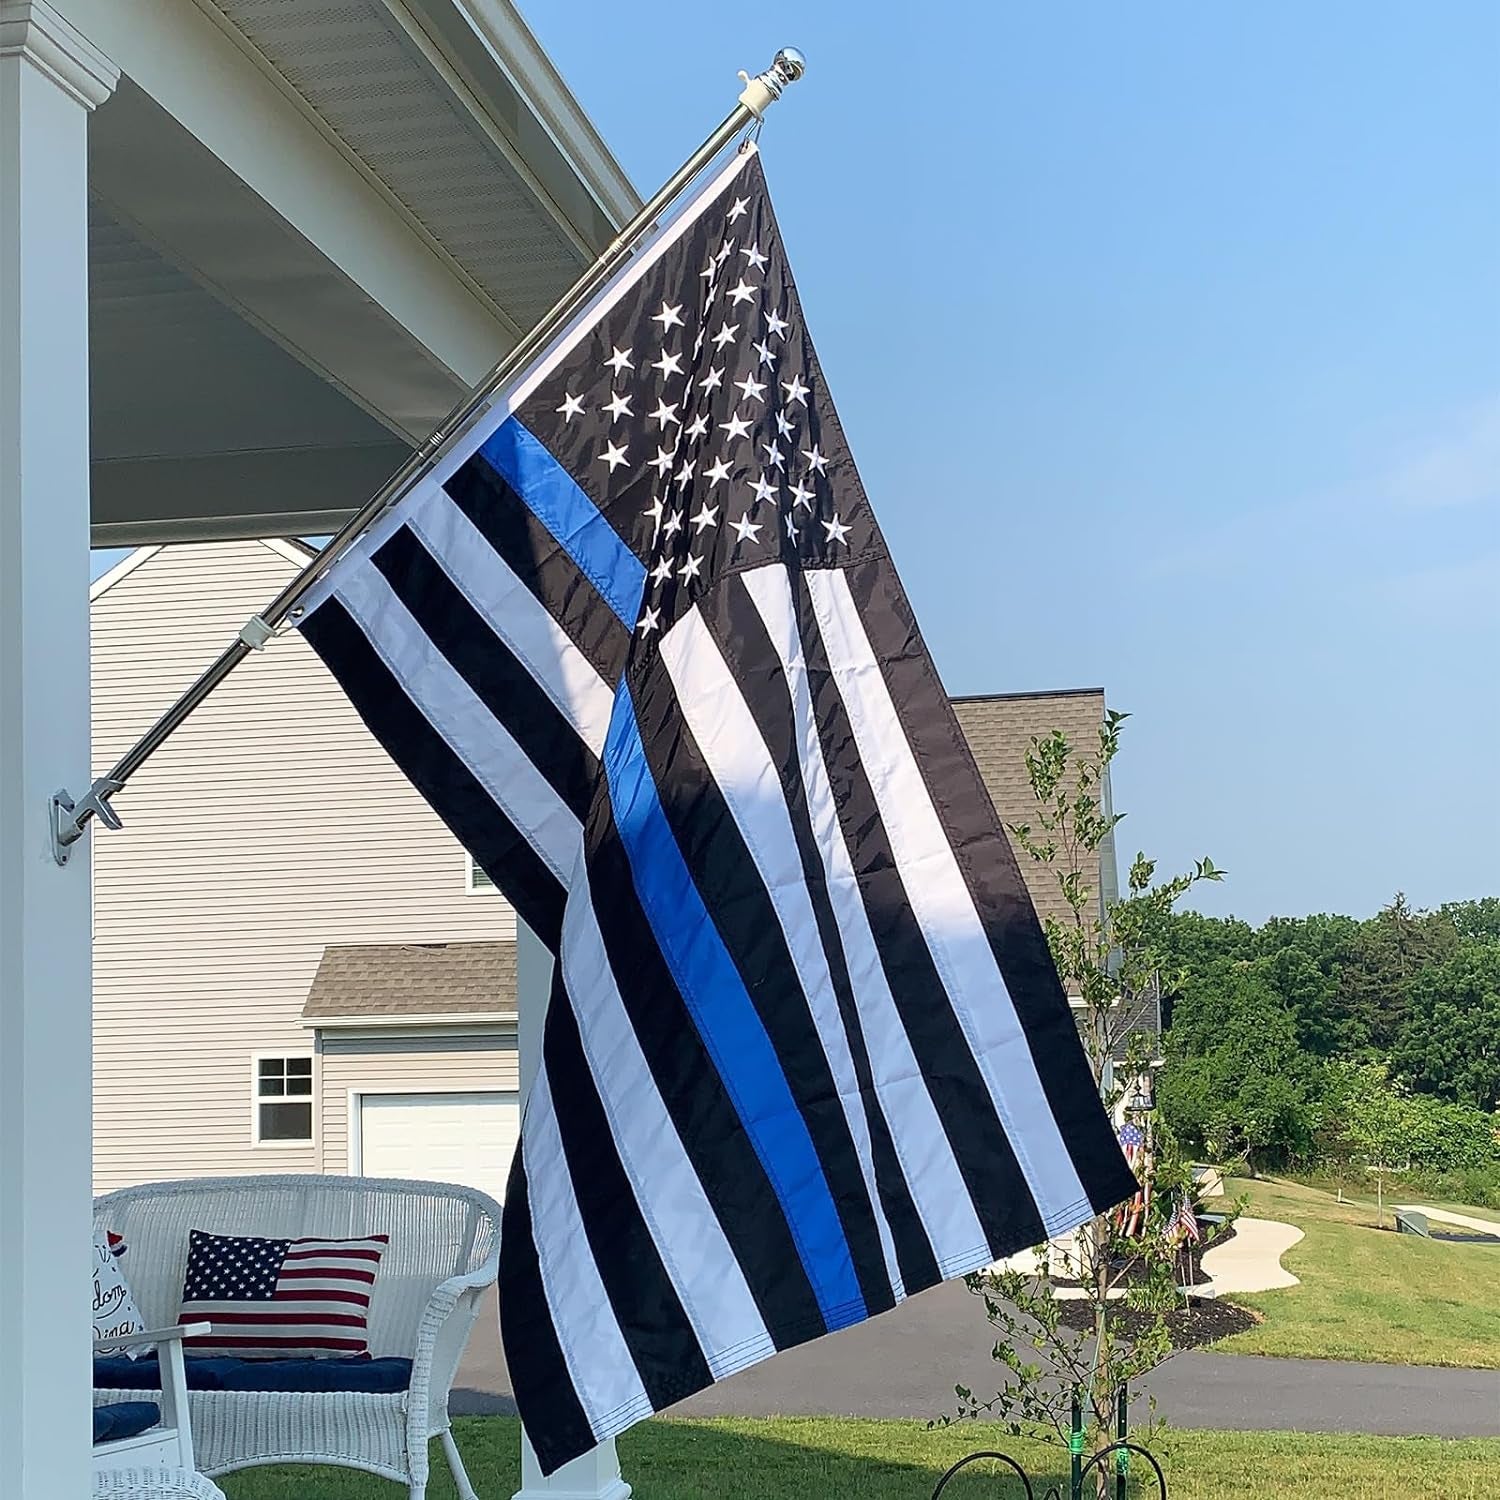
[(553, 496), (726, 1019)]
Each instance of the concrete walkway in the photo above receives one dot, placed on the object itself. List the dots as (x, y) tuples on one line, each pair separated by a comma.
[(1444, 1216), (1251, 1260), (905, 1363)]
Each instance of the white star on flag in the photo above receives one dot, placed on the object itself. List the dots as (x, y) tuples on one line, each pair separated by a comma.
[(572, 407), (613, 456), (669, 317)]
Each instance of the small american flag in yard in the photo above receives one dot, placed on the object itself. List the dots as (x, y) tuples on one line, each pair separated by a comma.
[(271, 1296), (1184, 1226)]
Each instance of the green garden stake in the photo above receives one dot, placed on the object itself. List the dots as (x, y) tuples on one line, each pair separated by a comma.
[(1122, 1432), (1075, 1444)]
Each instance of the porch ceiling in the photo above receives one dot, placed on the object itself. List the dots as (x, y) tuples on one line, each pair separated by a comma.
[(312, 226)]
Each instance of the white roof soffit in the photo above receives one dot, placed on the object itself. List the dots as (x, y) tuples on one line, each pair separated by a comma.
[(447, 109), (384, 191)]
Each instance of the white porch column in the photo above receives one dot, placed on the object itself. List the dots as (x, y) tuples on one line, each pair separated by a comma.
[(50, 78), (595, 1476)]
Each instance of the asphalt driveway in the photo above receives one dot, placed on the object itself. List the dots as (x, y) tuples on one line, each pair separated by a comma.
[(905, 1363)]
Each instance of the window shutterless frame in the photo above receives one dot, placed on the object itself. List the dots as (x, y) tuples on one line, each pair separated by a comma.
[(282, 1099)]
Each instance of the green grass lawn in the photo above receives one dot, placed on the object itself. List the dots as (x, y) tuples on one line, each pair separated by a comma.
[(1367, 1293), (827, 1458)]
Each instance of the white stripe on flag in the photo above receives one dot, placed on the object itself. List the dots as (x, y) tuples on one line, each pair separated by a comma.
[(937, 1186), (682, 1222), (517, 616), (450, 705), (944, 907), (598, 1358), (741, 766)]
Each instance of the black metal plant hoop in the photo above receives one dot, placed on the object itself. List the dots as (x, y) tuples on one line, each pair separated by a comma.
[(974, 1458)]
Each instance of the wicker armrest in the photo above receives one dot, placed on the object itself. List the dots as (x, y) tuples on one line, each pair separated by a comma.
[(173, 1335)]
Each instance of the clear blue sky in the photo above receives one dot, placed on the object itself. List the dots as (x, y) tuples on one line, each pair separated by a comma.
[(1168, 340)]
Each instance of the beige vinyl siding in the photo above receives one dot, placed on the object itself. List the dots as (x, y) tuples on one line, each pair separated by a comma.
[(269, 826), (406, 1065)]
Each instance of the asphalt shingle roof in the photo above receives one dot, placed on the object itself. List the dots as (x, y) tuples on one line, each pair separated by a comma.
[(375, 980)]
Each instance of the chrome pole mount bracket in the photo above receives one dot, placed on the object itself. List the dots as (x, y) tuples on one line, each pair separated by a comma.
[(68, 818)]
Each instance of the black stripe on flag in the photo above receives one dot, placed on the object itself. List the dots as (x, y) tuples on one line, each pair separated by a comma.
[(712, 1135), (501, 682), (741, 635), (535, 1355), (662, 1343), (990, 871), (533, 554), (437, 773), (969, 1118), (742, 911)]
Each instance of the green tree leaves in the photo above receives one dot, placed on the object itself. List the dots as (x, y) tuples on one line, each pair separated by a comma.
[(1451, 1044)]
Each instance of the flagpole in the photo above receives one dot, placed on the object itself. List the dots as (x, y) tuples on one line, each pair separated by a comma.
[(69, 818)]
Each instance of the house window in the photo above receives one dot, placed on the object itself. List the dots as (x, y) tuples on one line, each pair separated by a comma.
[(478, 880), (283, 1099)]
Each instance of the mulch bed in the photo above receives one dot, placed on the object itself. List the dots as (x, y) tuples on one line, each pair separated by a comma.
[(1200, 1322), (1189, 1265)]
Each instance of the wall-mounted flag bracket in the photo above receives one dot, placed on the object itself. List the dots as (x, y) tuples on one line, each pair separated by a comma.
[(69, 817)]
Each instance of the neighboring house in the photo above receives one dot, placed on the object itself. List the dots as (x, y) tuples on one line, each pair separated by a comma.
[(272, 989), (296, 967), (999, 728)]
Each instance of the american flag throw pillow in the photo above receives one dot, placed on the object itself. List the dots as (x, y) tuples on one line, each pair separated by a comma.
[(293, 1298)]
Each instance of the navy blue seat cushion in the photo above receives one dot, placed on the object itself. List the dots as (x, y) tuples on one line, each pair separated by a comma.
[(356, 1372), (124, 1419)]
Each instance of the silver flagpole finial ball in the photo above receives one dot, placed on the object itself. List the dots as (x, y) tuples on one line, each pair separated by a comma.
[(765, 88), (790, 63)]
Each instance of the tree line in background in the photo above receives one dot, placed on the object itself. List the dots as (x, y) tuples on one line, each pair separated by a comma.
[(1330, 1043)]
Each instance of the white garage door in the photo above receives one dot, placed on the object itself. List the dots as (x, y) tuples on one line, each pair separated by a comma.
[(463, 1138)]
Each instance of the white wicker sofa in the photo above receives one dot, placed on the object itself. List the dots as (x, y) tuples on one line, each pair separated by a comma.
[(444, 1251)]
